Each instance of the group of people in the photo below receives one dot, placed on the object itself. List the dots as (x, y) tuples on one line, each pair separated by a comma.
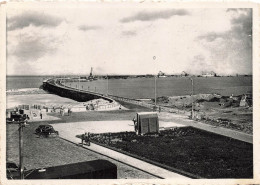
[(62, 111)]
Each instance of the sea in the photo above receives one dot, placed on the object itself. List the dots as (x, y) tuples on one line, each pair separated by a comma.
[(144, 88)]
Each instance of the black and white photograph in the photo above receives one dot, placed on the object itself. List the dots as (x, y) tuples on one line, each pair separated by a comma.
[(134, 90)]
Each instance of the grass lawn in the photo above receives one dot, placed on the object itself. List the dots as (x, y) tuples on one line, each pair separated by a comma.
[(191, 150)]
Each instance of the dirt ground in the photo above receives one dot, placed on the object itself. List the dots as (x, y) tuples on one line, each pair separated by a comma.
[(215, 110)]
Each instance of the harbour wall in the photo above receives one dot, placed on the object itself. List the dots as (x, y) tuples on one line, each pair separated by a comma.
[(54, 86)]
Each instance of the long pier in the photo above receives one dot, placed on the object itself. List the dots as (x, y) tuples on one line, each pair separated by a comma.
[(56, 87)]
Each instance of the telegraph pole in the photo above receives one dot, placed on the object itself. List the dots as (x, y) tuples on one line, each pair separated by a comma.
[(155, 95), (192, 105), (78, 83), (107, 85), (21, 125)]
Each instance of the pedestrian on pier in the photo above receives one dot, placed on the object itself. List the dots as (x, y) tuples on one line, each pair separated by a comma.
[(69, 111), (61, 111)]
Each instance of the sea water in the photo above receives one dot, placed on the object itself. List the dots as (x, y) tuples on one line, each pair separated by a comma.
[(145, 87)]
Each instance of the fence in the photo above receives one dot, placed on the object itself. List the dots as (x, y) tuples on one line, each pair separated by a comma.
[(111, 105)]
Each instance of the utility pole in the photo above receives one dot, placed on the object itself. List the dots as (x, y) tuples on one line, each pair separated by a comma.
[(107, 85), (192, 105), (78, 83), (155, 95), (21, 125)]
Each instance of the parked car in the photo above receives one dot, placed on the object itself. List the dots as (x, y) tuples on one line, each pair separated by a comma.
[(14, 118), (45, 130)]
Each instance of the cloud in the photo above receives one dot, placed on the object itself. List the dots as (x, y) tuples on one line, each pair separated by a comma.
[(151, 16), (30, 50), (236, 9), (243, 24), (128, 33), (232, 47), (86, 27), (241, 27), (212, 36), (33, 48), (199, 65), (32, 18)]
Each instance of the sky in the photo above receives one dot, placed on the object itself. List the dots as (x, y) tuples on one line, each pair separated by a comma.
[(128, 40)]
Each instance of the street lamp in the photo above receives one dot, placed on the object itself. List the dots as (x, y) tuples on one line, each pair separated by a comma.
[(21, 125), (107, 85), (192, 91), (155, 96), (78, 83)]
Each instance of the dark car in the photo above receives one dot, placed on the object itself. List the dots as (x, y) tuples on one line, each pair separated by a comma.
[(45, 130), (17, 118)]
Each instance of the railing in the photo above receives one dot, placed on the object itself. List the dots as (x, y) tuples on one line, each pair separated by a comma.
[(104, 107)]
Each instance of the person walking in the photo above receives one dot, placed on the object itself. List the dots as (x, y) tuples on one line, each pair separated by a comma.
[(69, 111)]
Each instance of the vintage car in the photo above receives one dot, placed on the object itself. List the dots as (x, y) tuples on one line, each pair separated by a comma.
[(16, 118), (46, 130)]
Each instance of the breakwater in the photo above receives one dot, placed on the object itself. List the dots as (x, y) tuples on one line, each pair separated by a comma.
[(55, 86)]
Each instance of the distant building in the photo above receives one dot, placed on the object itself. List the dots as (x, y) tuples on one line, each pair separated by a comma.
[(91, 77), (183, 73), (208, 74), (161, 74)]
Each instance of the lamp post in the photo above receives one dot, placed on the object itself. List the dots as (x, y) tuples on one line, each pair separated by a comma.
[(78, 83), (107, 85), (155, 95), (21, 125), (192, 91)]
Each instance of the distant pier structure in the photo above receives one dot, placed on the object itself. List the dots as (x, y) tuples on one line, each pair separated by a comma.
[(208, 74), (183, 73), (55, 86), (91, 77)]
